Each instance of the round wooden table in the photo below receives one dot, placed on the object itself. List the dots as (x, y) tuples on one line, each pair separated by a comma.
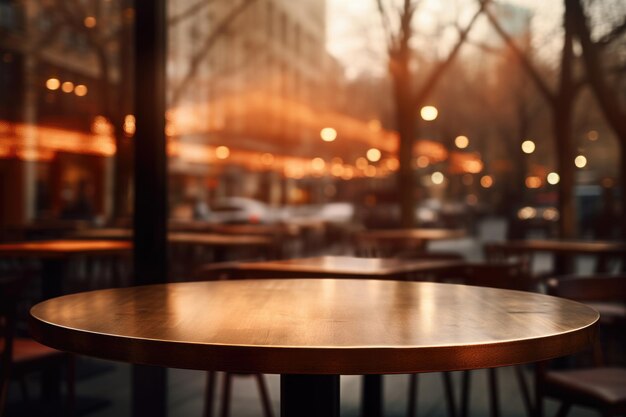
[(313, 330)]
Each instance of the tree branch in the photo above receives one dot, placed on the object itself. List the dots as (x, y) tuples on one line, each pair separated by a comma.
[(607, 99), (440, 69), (191, 11), (203, 52), (524, 59)]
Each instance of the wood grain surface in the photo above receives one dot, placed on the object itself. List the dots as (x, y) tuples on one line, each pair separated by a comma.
[(315, 326)]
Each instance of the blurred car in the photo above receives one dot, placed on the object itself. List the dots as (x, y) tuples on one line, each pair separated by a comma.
[(240, 210)]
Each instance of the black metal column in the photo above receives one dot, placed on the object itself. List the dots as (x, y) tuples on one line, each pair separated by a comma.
[(150, 213), (309, 396)]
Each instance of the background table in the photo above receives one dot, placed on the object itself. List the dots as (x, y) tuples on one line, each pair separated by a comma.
[(313, 330), (346, 267), (55, 255)]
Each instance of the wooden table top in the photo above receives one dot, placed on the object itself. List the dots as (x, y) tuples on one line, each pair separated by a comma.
[(181, 237), (564, 246), (416, 234), (214, 239), (315, 326), (349, 265), (60, 248)]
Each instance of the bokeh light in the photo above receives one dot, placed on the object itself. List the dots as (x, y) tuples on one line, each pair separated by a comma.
[(580, 161), (53, 84), (486, 181), (222, 152), (373, 155), (437, 178), (528, 146), (328, 134), (461, 142), (553, 178), (429, 113)]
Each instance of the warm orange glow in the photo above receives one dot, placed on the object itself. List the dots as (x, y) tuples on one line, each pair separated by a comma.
[(361, 163), (370, 171), (429, 113), (393, 164), (593, 135), (373, 154), (53, 84), (422, 161), (328, 134), (461, 142), (222, 152), (434, 151), (267, 159), (90, 22), (67, 87), (465, 162), (129, 125), (348, 173), (318, 164), (81, 90), (486, 181), (374, 125), (533, 182), (336, 170), (44, 142)]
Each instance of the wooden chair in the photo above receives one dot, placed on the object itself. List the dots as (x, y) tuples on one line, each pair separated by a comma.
[(20, 355), (504, 275), (218, 272), (600, 387)]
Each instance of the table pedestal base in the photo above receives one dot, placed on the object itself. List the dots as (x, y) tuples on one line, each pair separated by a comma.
[(309, 395)]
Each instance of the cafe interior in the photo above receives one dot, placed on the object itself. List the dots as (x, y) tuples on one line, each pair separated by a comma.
[(312, 208)]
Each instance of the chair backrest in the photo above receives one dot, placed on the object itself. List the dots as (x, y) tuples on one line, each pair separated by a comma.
[(431, 256), (504, 275), (217, 271), (607, 294), (589, 288)]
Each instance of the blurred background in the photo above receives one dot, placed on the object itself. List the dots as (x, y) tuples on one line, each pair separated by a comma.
[(328, 109)]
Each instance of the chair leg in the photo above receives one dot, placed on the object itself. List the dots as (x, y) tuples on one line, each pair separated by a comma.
[(209, 394), (265, 397), (71, 385), (563, 410), (523, 385), (493, 392), (413, 390), (225, 406), (465, 390), (449, 392)]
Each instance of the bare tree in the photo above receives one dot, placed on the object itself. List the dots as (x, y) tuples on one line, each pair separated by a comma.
[(560, 100), (595, 59), (408, 96), (112, 47)]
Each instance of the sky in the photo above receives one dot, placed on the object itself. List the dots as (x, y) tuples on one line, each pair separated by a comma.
[(355, 36)]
